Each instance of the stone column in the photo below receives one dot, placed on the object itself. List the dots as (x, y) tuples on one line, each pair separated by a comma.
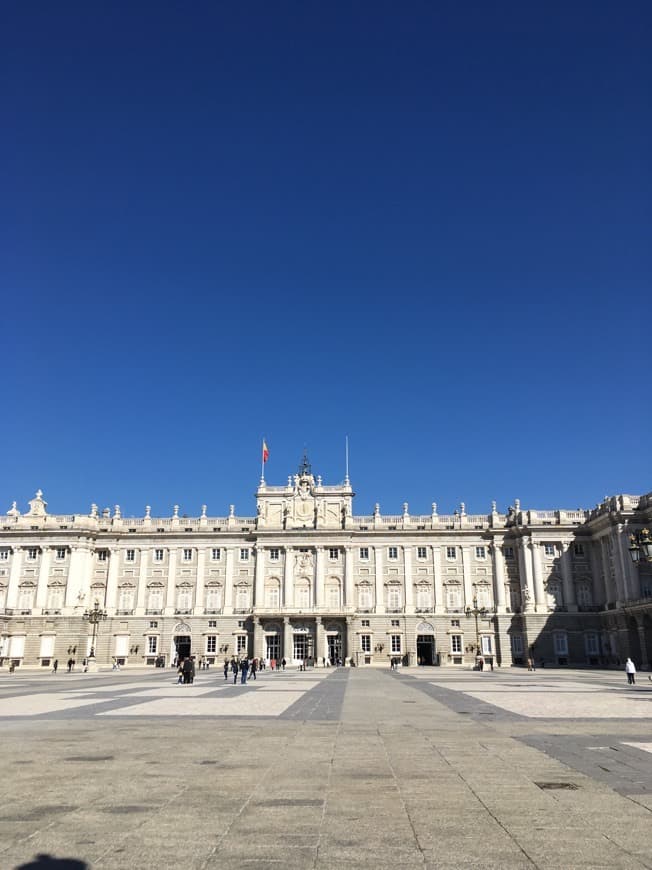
[(349, 593), (349, 652), (172, 582), (537, 571), (259, 578), (320, 641), (380, 598), (525, 574), (440, 604), (14, 577), (201, 579), (466, 568), (78, 577), (631, 582), (499, 575), (567, 577), (112, 578), (614, 587), (43, 577), (288, 647), (288, 578), (259, 637), (228, 581), (142, 582), (600, 595), (319, 577), (409, 580)]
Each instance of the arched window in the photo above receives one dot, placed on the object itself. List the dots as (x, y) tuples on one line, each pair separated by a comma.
[(184, 598), (453, 597), (155, 598), (55, 597), (213, 598), (272, 594), (364, 598), (126, 598), (424, 598), (584, 596), (333, 596), (393, 598), (25, 597)]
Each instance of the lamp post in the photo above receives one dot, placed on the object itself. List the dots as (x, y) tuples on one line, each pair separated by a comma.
[(640, 546), (94, 617), (476, 611)]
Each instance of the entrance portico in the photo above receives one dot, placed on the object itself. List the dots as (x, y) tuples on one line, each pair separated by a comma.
[(301, 638)]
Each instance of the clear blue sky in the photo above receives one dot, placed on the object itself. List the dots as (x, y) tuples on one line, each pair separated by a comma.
[(424, 224)]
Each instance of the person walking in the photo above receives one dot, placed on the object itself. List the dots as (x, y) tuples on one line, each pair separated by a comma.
[(226, 668), (254, 668), (188, 668), (70, 664), (180, 673), (55, 665), (234, 668), (244, 668), (283, 663), (630, 670)]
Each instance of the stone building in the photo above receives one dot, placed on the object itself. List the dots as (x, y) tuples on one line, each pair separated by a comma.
[(306, 578)]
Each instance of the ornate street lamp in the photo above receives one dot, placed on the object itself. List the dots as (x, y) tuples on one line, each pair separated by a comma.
[(640, 547), (94, 617), (476, 611)]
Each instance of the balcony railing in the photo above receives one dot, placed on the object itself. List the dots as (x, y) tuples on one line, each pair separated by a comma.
[(124, 612), (155, 612)]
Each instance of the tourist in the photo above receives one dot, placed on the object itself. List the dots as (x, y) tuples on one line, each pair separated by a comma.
[(244, 668), (283, 663), (234, 668), (180, 672), (254, 668), (226, 668), (55, 665), (630, 670)]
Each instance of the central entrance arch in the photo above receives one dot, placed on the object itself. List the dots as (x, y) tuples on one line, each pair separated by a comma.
[(426, 654), (181, 642)]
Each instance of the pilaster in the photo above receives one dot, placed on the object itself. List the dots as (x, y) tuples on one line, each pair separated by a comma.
[(319, 577), (349, 595), (499, 574), (112, 578), (537, 571), (259, 577), (288, 578), (525, 572), (228, 581), (440, 604), (466, 568), (409, 580), (142, 581), (43, 577), (288, 650), (14, 576), (172, 581), (379, 584), (201, 579), (567, 577)]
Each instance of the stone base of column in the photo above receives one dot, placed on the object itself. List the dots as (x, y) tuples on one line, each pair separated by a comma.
[(91, 666)]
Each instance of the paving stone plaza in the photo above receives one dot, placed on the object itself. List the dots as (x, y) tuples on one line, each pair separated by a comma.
[(335, 767)]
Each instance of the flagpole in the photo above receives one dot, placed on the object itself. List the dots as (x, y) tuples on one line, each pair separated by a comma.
[(346, 453), (262, 460)]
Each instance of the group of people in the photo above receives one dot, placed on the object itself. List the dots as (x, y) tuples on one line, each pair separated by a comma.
[(186, 670)]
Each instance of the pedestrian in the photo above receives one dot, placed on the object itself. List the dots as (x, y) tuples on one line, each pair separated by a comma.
[(283, 663), (226, 668), (244, 668), (69, 665), (234, 668), (530, 665), (254, 668), (188, 668), (630, 670), (55, 665), (180, 672), (272, 664)]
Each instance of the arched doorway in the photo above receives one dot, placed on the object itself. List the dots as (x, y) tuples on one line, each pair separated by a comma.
[(181, 642), (426, 652)]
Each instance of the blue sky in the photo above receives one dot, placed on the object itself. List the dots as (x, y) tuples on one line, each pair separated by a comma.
[(424, 225)]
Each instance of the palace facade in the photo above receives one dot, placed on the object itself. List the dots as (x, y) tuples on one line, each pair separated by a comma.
[(306, 578)]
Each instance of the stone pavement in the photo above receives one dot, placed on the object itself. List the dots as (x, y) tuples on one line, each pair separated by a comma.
[(423, 768)]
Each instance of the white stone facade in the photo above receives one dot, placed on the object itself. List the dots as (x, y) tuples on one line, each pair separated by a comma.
[(308, 579)]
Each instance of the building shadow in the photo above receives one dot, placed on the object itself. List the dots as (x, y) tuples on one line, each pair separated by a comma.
[(43, 861)]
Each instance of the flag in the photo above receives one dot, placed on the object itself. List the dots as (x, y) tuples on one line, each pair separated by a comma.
[(265, 451)]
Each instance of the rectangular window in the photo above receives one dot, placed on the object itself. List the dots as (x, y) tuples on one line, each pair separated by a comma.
[(101, 555), (396, 643), (61, 553), (455, 623), (395, 623), (216, 554), (152, 643), (508, 552), (158, 555), (241, 643), (364, 553), (517, 644), (392, 553), (456, 643), (578, 549), (4, 555), (187, 555), (211, 643), (422, 552), (480, 553), (592, 645), (274, 554), (212, 623), (333, 554), (32, 554), (365, 623), (365, 642), (131, 555), (486, 645), (153, 623), (244, 554), (450, 552), (549, 549), (561, 643)]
